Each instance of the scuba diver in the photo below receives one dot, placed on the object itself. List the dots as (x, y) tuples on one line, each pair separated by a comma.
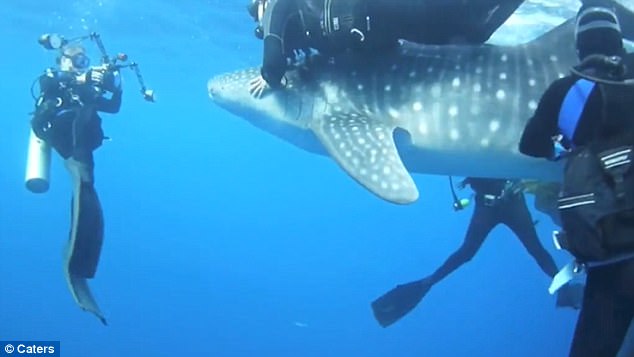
[(67, 119), (290, 28), (587, 117), (496, 201)]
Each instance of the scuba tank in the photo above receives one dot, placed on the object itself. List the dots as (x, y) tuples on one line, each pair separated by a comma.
[(38, 165)]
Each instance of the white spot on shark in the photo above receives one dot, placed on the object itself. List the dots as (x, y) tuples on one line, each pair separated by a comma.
[(532, 82), (553, 58), (484, 142), (393, 113), (417, 106), (500, 94), (387, 170), (412, 74), (453, 111), (456, 82), (475, 109), (494, 125), (502, 76), (454, 134), (532, 105), (529, 62), (422, 128), (387, 88), (478, 70), (359, 87), (504, 58), (477, 87)]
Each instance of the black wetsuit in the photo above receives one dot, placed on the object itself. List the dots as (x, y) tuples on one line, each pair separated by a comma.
[(373, 25), (608, 305), (71, 126), (66, 117), (492, 207)]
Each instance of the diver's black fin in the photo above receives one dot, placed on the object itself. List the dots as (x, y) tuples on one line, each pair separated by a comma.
[(399, 301)]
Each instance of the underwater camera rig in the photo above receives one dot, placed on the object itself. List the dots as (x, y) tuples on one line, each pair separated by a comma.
[(55, 41)]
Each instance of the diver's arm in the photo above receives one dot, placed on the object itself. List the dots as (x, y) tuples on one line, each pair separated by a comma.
[(274, 24), (537, 138)]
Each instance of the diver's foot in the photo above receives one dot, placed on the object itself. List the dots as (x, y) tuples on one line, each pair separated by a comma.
[(398, 302), (571, 296)]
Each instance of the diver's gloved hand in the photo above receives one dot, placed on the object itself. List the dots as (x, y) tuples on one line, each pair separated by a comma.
[(95, 76), (257, 87)]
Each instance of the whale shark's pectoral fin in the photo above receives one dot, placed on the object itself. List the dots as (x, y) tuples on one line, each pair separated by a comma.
[(365, 149)]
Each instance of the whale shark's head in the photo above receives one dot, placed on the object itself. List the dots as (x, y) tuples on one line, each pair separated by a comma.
[(284, 113)]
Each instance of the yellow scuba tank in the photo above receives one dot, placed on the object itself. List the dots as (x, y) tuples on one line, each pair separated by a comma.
[(38, 164)]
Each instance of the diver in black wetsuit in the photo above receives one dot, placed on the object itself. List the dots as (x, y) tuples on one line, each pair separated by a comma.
[(334, 26), (497, 201), (581, 116), (66, 118)]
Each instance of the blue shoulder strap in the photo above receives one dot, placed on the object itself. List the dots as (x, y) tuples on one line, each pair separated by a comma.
[(572, 107)]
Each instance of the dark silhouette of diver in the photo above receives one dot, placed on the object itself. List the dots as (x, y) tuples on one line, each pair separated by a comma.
[(332, 27), (496, 201)]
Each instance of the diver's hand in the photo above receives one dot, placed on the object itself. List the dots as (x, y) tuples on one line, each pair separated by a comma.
[(298, 59), (258, 86)]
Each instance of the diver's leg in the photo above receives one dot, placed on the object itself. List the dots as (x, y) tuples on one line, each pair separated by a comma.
[(608, 307), (482, 222), (398, 302), (519, 220), (440, 21)]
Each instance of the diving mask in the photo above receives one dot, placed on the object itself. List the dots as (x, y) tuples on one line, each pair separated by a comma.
[(80, 61)]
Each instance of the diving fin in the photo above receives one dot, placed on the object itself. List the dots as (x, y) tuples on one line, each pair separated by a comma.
[(398, 302), (86, 237)]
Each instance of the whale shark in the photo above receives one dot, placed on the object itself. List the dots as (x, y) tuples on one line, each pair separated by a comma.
[(428, 109)]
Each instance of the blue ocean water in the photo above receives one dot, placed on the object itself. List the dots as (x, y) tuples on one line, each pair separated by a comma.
[(222, 240)]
